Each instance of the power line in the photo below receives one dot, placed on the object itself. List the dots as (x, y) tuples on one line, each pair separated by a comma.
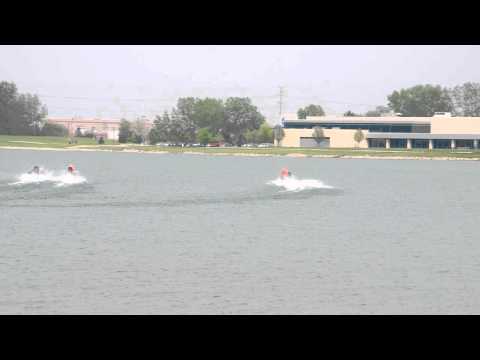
[(173, 99), (136, 99), (104, 99), (116, 107)]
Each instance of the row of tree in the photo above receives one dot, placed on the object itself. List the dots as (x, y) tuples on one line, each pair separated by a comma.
[(24, 114), (133, 132), (20, 114), (420, 100), (235, 120), (425, 100)]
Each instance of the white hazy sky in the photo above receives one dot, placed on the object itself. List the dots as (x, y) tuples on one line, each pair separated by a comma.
[(146, 80)]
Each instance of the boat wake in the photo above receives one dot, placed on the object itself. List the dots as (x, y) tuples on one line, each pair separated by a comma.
[(295, 185), (59, 179)]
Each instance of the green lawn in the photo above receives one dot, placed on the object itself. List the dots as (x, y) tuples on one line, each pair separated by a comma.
[(61, 142), (44, 141)]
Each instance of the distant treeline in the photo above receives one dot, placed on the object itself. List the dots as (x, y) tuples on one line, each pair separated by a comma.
[(24, 114), (235, 120), (420, 100)]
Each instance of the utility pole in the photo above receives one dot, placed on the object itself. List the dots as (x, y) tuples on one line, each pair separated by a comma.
[(280, 102), (281, 95)]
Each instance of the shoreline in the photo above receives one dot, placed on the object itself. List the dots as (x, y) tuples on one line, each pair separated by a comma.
[(290, 155)]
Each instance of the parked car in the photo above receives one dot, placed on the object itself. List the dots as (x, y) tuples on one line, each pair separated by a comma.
[(265, 145), (162, 144)]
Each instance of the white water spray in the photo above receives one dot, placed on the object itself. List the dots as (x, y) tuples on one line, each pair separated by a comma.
[(59, 179), (293, 184)]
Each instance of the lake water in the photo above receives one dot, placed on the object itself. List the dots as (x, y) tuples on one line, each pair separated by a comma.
[(189, 234)]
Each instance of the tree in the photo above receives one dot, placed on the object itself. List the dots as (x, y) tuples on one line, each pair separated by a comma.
[(350, 113), (204, 136), (420, 100), (33, 112), (50, 129), (466, 99), (204, 113), (217, 138), (20, 114), (209, 113), (8, 105), (251, 136), (240, 116), (193, 113), (161, 129), (318, 134), (310, 110), (379, 111), (208, 119), (139, 131), (186, 106), (278, 133), (173, 127), (124, 131), (182, 128), (301, 113), (358, 136), (265, 133)]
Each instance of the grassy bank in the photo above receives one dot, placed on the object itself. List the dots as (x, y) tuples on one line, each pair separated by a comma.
[(90, 144), (311, 152), (44, 141)]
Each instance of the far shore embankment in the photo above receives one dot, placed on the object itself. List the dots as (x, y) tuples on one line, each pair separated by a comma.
[(268, 152)]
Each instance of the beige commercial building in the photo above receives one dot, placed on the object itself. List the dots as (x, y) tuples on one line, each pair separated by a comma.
[(439, 131)]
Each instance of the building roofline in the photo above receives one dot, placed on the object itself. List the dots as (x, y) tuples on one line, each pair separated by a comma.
[(374, 119), (422, 136), (358, 120)]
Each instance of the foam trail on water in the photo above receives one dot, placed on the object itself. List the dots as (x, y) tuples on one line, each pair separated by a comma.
[(294, 184), (62, 179), (33, 178), (69, 179)]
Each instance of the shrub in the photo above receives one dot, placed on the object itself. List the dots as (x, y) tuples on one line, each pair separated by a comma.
[(50, 129)]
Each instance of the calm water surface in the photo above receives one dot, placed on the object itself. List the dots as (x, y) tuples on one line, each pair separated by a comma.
[(167, 234)]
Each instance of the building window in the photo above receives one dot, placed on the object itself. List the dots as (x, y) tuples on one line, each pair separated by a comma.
[(398, 143), (377, 143), (467, 144), (385, 127), (419, 144), (441, 144)]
